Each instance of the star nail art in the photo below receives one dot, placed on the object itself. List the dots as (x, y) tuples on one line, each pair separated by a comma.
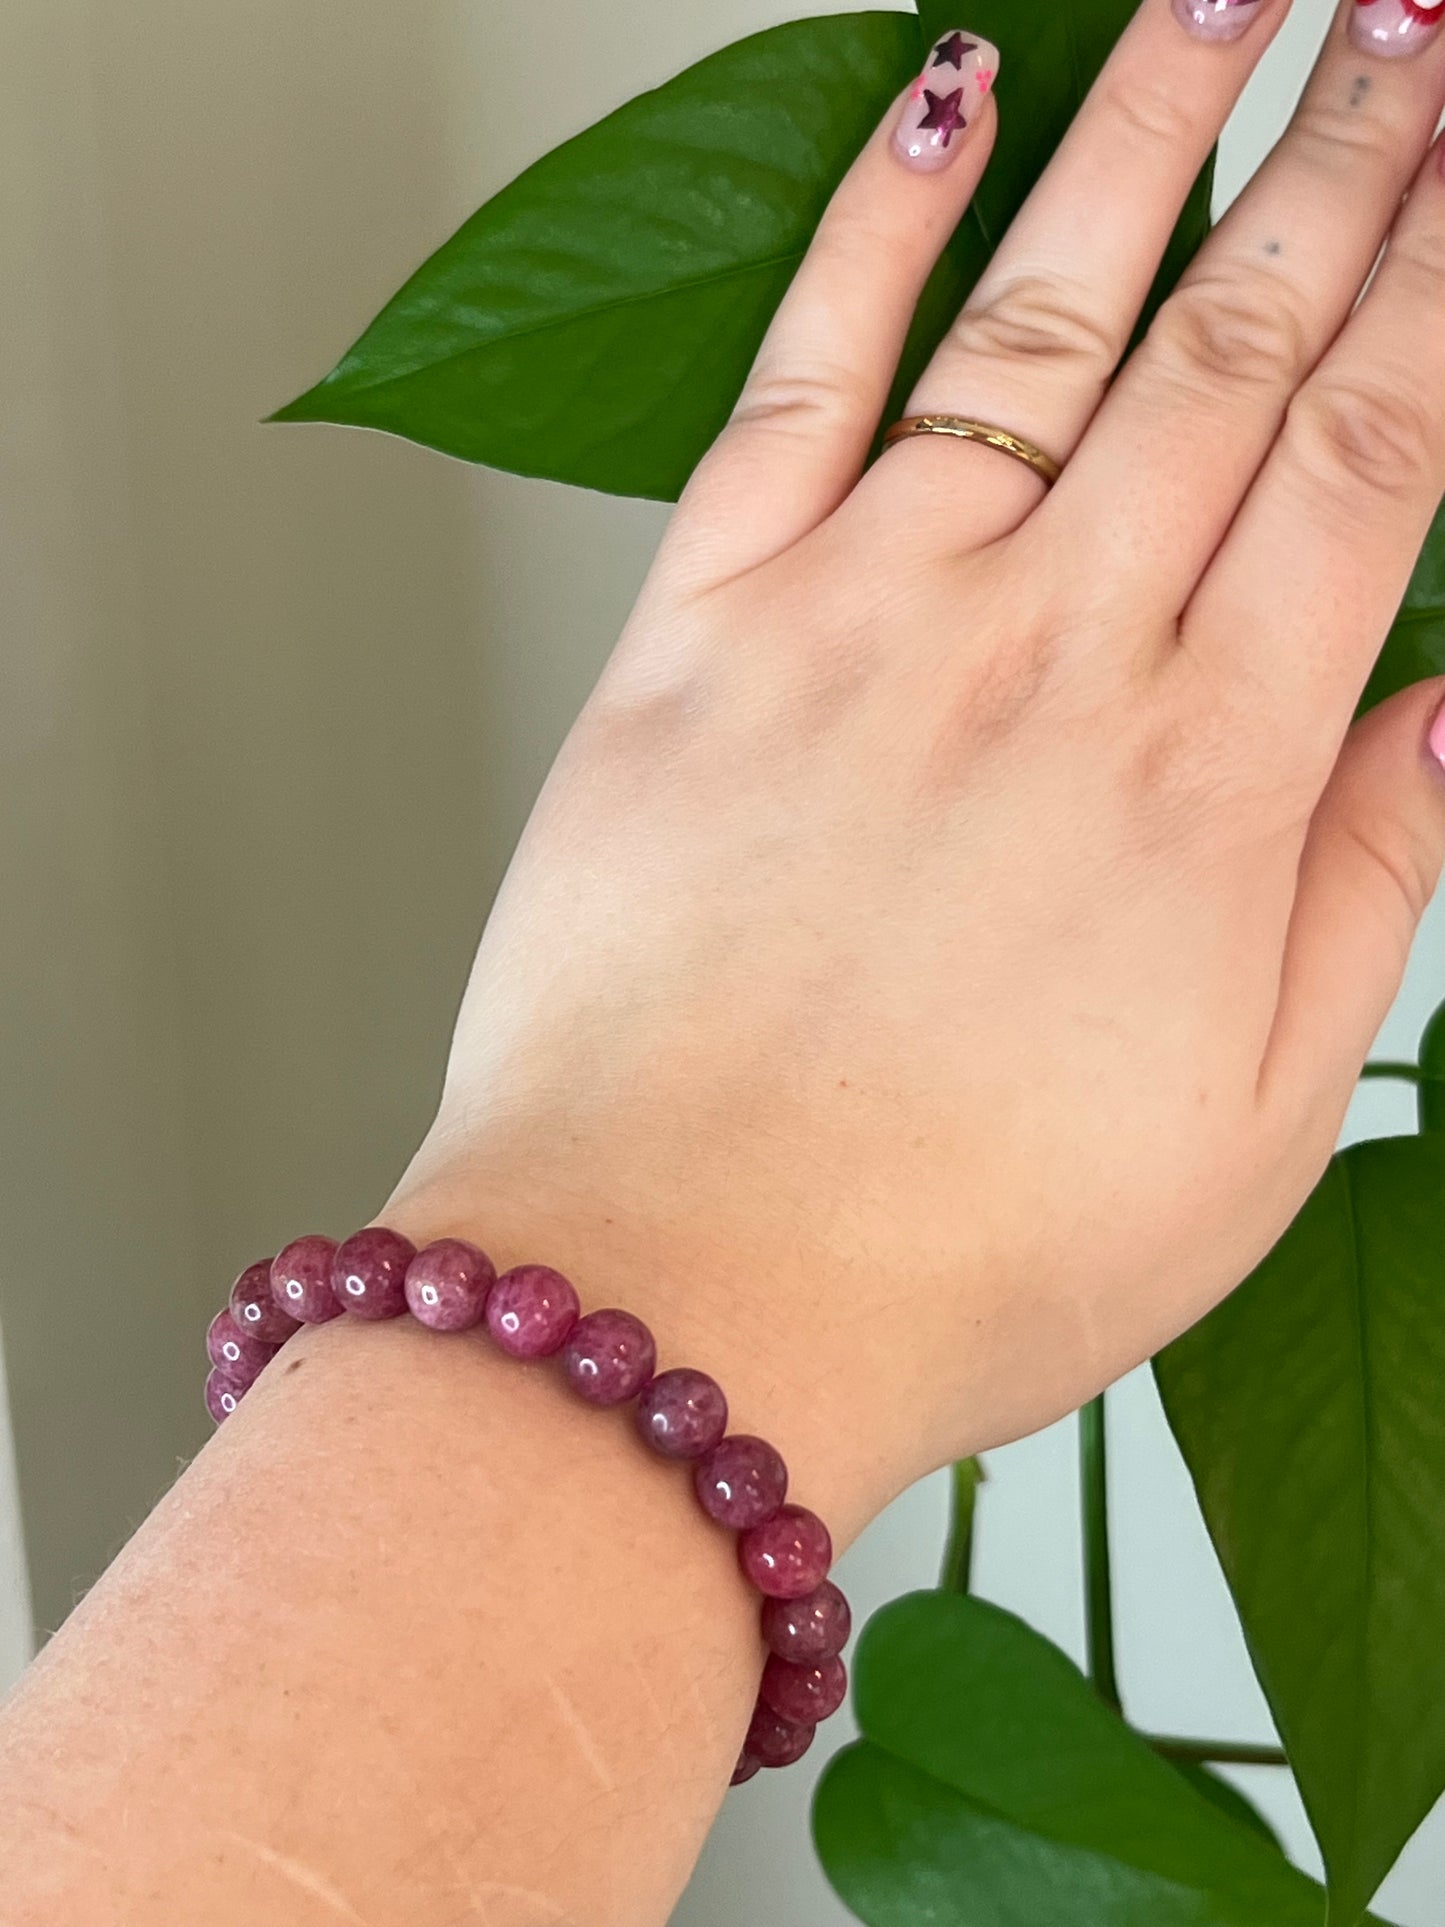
[(944, 101)]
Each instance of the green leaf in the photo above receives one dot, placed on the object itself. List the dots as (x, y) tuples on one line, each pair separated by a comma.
[(1432, 1074), (1226, 1797), (595, 321), (1311, 1410), (1415, 648), (993, 1788)]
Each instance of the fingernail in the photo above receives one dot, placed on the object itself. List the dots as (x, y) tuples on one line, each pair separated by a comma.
[(944, 100), (1395, 28), (1216, 19), (1437, 737)]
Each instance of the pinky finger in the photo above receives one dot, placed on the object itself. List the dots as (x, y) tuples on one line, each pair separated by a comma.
[(799, 435)]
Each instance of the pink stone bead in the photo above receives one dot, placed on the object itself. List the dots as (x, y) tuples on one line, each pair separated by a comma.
[(368, 1273), (301, 1280), (788, 1556), (254, 1307), (609, 1357), (224, 1394), (809, 1629), (531, 1311), (682, 1414), (447, 1285), (742, 1482), (232, 1350), (804, 1694), (746, 1767), (774, 1741)]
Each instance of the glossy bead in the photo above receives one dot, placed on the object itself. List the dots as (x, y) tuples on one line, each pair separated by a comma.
[(224, 1393), (254, 1307), (447, 1285), (788, 1556), (301, 1280), (746, 1767), (774, 1741), (810, 1629), (531, 1310), (682, 1414), (804, 1694), (609, 1357), (368, 1273), (232, 1350), (742, 1482)]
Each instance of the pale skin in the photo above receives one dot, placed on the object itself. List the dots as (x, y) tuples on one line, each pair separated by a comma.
[(933, 975)]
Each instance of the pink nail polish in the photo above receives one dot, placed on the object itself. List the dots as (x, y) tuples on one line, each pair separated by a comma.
[(1216, 19), (1437, 737), (1395, 28), (943, 102)]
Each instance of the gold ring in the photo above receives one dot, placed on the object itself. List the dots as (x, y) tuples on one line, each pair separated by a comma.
[(972, 431)]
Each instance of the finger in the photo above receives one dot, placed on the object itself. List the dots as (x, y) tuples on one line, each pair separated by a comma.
[(798, 438), (1309, 580), (1371, 864), (1194, 415), (1040, 336)]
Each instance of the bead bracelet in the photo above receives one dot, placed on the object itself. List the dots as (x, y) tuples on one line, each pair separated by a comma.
[(608, 1358)]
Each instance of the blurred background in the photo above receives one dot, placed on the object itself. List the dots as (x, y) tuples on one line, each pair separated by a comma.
[(274, 704)]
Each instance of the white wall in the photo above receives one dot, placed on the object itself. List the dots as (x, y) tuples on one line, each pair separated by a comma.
[(227, 649)]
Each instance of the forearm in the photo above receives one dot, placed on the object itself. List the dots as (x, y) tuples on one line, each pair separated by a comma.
[(419, 1637)]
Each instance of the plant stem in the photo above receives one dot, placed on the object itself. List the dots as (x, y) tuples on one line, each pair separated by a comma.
[(1217, 1752), (1404, 1073), (968, 1476), (1098, 1578)]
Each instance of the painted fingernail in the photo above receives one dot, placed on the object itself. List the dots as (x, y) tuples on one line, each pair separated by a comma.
[(1395, 28), (1437, 737), (1216, 19), (944, 100)]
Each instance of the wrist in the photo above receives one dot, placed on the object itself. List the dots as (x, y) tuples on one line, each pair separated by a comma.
[(847, 1398)]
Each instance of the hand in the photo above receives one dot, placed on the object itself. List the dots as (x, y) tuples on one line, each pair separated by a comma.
[(958, 919)]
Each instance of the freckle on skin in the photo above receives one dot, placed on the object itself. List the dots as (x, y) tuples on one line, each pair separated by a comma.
[(1359, 89), (1274, 247)]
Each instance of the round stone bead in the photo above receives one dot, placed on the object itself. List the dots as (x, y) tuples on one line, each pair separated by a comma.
[(810, 1629), (742, 1482), (609, 1357), (746, 1767), (682, 1414), (531, 1310), (804, 1694), (368, 1273), (301, 1280), (447, 1285), (224, 1393), (774, 1741), (789, 1555), (232, 1350), (254, 1307)]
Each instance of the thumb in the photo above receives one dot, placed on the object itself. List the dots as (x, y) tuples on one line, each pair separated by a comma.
[(1371, 862)]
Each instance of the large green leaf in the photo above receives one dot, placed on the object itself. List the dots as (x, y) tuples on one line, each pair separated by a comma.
[(1415, 648), (1311, 1410), (596, 319), (994, 1788)]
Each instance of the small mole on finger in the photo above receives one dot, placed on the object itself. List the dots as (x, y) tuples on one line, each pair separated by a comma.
[(1274, 247), (1358, 89)]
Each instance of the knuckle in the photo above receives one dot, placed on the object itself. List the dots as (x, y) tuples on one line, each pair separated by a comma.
[(1397, 853), (1352, 435), (800, 400), (1239, 329), (1332, 137), (1153, 114), (1038, 320)]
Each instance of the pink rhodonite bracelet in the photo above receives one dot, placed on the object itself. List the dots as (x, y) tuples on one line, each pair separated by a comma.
[(608, 1358)]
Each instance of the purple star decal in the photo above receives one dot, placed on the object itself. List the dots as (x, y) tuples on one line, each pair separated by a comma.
[(950, 52), (944, 116)]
